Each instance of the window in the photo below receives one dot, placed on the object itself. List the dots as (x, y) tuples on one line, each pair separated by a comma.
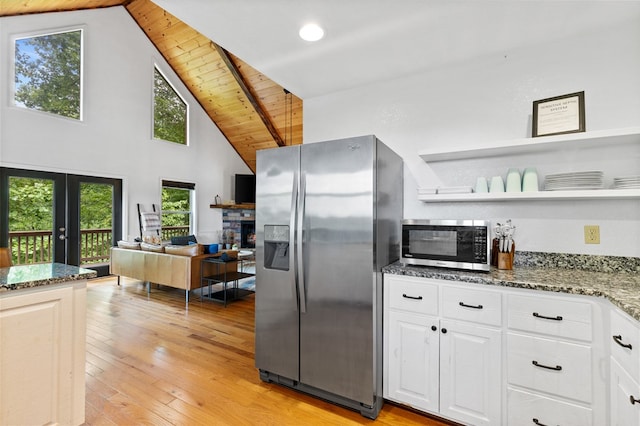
[(177, 209), (169, 111), (48, 73)]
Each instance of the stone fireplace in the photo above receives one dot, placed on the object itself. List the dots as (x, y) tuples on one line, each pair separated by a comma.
[(242, 223)]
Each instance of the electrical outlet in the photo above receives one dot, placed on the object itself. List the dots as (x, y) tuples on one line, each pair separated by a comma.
[(592, 234)]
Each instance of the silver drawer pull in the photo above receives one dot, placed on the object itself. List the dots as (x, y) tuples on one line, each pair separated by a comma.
[(412, 297), (470, 306), (557, 318), (537, 364)]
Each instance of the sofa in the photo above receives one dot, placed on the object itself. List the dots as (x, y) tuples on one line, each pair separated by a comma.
[(176, 266)]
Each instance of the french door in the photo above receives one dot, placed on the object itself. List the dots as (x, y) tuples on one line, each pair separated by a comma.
[(57, 217)]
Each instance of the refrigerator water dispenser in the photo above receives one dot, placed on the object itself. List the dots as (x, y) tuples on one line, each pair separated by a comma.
[(276, 247)]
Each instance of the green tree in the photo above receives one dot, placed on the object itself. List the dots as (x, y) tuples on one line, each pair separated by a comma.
[(47, 74), (30, 202), (176, 202), (96, 201), (169, 112)]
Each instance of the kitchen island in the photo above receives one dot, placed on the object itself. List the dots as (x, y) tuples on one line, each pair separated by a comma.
[(43, 338)]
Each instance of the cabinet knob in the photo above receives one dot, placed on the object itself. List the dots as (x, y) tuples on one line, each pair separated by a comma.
[(444, 331), (434, 328), (632, 400)]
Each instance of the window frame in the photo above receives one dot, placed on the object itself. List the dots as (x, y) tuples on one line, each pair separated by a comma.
[(191, 187), (165, 76), (42, 33)]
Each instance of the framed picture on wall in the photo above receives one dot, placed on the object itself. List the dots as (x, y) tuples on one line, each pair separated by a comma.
[(559, 115)]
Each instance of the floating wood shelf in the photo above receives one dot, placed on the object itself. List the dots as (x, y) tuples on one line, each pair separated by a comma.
[(245, 206)]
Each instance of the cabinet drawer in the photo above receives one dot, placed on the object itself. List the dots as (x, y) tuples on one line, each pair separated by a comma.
[(412, 294), (524, 407), (479, 306), (627, 333), (554, 316), (551, 366)]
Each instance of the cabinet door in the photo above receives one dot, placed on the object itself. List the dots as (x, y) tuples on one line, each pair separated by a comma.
[(413, 360), (470, 373), (623, 388), (36, 360)]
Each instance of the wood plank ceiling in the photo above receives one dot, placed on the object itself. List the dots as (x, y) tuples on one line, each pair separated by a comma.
[(252, 111)]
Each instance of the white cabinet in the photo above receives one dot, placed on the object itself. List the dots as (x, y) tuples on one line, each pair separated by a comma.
[(42, 356), (625, 397), (554, 360), (484, 355), (470, 373), (448, 362), (413, 375), (625, 364)]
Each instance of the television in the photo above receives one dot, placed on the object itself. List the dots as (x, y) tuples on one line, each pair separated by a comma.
[(245, 189)]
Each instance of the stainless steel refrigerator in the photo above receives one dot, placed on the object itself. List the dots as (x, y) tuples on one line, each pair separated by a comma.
[(328, 218)]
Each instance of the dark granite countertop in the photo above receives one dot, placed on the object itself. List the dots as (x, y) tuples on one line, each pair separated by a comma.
[(26, 276), (622, 288)]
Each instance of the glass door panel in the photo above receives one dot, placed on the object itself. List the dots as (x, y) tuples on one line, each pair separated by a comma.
[(33, 216), (95, 210)]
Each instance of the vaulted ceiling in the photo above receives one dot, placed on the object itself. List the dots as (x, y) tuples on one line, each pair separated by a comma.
[(251, 110)]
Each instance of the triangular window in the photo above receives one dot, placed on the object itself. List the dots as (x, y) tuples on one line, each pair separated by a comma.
[(169, 111)]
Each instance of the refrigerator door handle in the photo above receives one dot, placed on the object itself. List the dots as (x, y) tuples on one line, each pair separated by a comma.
[(292, 229), (300, 240)]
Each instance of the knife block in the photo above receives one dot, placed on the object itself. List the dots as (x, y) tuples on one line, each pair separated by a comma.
[(505, 259)]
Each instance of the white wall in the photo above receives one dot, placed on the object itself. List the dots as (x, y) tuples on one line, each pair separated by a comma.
[(490, 99), (114, 138)]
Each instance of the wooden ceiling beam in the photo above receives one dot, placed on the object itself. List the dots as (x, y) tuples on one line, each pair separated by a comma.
[(243, 85)]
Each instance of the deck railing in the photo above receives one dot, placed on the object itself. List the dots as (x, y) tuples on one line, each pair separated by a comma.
[(29, 247)]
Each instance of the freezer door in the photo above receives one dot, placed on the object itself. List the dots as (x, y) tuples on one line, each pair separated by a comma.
[(276, 302), (337, 326)]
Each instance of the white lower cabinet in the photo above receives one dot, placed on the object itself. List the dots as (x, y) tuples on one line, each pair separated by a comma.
[(485, 355), (42, 355), (413, 376), (624, 341), (470, 373), (625, 397), (446, 367), (555, 367), (526, 408)]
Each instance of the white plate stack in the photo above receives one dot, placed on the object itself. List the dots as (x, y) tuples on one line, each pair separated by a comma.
[(574, 181), (627, 182)]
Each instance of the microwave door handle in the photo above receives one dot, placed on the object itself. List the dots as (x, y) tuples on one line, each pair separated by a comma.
[(292, 228), (300, 243)]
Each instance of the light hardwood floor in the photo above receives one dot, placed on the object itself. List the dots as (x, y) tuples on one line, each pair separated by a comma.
[(151, 361)]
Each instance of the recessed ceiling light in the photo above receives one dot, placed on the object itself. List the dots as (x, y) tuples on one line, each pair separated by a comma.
[(311, 32)]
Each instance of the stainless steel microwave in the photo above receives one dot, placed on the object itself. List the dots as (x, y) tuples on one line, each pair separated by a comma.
[(460, 244)]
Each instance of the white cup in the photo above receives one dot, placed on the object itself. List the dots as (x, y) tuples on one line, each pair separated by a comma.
[(514, 182), (497, 184), (530, 180), (481, 185)]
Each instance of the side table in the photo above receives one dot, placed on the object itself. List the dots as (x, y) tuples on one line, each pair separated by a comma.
[(224, 277)]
